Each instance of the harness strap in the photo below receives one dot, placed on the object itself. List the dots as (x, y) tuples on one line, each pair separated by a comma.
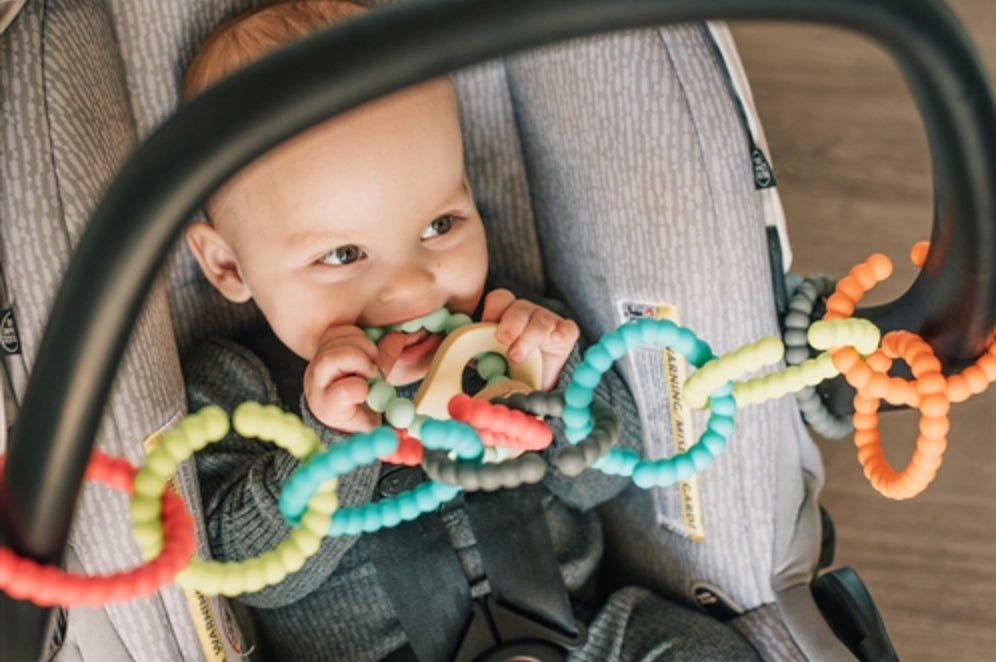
[(422, 577), (518, 555), (429, 591)]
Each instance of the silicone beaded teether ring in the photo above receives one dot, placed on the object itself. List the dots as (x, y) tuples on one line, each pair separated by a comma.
[(814, 410), (861, 334), (572, 459), (770, 350), (386, 513), (604, 435), (872, 383), (976, 378), (435, 322), (730, 366), (500, 425), (519, 430), (600, 357), (927, 393), (47, 586), (526, 469), (210, 425), (342, 458)]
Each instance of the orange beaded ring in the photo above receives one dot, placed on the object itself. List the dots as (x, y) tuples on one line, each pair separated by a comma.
[(926, 392), (929, 390)]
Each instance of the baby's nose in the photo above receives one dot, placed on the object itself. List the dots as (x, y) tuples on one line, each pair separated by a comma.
[(407, 280)]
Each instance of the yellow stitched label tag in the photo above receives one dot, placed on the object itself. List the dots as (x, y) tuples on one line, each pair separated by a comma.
[(667, 420)]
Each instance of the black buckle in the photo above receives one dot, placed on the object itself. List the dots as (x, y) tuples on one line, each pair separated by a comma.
[(498, 633), (851, 613)]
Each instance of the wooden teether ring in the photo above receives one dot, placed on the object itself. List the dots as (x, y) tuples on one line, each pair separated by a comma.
[(444, 378)]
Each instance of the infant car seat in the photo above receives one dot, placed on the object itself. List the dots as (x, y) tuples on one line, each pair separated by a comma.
[(618, 172)]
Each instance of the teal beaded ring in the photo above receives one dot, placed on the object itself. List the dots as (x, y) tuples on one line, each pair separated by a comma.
[(363, 449), (623, 462)]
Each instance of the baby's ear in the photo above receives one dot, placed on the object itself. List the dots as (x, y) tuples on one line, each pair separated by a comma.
[(217, 260)]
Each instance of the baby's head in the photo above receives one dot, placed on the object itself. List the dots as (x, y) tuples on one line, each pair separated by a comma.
[(366, 219)]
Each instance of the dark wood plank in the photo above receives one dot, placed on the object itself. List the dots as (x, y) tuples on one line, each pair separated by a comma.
[(853, 170)]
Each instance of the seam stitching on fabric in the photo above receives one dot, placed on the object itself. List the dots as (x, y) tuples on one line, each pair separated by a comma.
[(756, 587), (517, 123)]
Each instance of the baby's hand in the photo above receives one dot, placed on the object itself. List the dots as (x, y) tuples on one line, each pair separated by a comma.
[(335, 382), (525, 326)]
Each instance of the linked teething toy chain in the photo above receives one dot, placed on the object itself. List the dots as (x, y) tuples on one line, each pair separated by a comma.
[(455, 431)]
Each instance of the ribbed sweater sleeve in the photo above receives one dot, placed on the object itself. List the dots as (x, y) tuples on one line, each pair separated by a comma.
[(240, 479)]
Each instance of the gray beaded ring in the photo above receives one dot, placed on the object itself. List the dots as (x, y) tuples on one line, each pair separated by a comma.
[(526, 469), (574, 458), (473, 476), (797, 322), (530, 467)]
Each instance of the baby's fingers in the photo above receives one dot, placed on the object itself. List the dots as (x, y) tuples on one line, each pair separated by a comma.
[(565, 335), (495, 304), (533, 329), (333, 363), (557, 350), (342, 405)]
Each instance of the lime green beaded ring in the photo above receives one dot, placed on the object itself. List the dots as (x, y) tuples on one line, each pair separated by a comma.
[(209, 425), (859, 333), (853, 332)]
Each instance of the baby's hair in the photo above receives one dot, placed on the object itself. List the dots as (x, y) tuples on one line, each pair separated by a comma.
[(241, 40), (249, 36)]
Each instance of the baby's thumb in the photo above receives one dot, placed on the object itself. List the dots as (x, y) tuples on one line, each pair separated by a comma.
[(389, 350)]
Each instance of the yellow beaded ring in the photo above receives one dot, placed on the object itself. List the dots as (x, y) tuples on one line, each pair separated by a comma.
[(207, 426), (859, 333)]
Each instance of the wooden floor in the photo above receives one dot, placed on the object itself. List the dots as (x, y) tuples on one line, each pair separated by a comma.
[(851, 161)]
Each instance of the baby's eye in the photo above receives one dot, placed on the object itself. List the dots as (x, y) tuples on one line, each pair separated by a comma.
[(438, 227), (343, 255)]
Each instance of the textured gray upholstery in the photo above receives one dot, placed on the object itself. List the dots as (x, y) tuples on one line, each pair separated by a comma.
[(612, 170)]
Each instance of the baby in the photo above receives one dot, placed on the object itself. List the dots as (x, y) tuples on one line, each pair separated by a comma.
[(364, 221), (368, 220)]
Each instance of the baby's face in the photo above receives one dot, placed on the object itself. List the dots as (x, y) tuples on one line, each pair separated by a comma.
[(365, 220)]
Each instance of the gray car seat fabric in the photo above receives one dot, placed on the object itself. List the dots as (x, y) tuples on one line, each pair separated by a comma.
[(65, 133), (664, 209), (616, 186)]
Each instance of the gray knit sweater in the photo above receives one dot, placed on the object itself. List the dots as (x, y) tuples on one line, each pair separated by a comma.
[(335, 608)]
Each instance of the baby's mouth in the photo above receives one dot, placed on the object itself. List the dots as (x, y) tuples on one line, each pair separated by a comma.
[(419, 345), (435, 322), (415, 338)]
